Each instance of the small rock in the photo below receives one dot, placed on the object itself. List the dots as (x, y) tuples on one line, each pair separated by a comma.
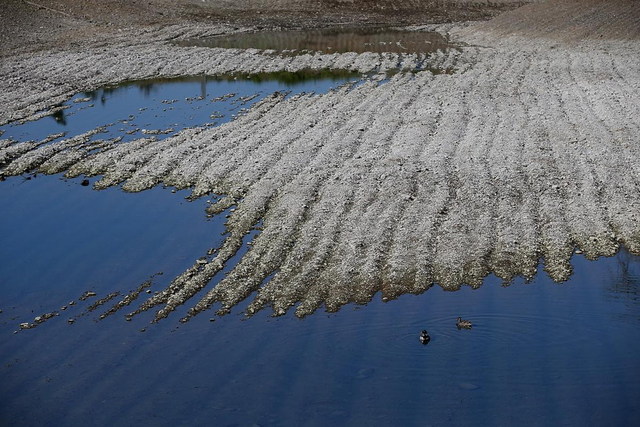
[(71, 321), (87, 294), (85, 182)]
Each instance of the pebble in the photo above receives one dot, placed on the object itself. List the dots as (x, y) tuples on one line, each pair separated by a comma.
[(88, 294)]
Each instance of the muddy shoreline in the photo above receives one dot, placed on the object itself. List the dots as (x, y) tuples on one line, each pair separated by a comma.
[(526, 151)]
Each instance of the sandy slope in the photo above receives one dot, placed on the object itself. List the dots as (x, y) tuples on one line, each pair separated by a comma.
[(529, 150), (568, 21)]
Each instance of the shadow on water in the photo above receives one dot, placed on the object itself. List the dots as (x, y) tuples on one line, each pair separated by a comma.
[(331, 40), (625, 285)]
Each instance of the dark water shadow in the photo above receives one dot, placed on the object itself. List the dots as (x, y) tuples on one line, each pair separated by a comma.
[(625, 285)]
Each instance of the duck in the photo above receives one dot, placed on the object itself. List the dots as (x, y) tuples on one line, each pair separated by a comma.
[(424, 337), (461, 323)]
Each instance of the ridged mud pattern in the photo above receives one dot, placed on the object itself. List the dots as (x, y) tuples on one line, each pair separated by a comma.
[(528, 152)]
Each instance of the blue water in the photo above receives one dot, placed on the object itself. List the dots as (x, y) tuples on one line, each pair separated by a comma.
[(539, 353), (170, 105)]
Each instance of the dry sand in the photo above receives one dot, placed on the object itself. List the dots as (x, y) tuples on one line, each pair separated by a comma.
[(528, 151)]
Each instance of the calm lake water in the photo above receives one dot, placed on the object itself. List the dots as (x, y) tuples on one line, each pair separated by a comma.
[(331, 40), (539, 353)]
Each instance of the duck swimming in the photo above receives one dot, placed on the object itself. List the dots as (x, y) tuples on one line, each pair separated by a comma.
[(424, 337), (463, 324)]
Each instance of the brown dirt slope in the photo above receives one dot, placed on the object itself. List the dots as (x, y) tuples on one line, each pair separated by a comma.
[(568, 20)]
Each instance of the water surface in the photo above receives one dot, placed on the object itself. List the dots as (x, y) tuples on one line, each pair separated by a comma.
[(331, 40)]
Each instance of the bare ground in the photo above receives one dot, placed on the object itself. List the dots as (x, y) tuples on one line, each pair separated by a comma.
[(527, 152), (35, 25)]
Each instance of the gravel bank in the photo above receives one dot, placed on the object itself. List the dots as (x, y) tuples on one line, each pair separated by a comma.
[(527, 151)]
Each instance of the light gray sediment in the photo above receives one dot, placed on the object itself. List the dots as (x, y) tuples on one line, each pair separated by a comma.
[(526, 152)]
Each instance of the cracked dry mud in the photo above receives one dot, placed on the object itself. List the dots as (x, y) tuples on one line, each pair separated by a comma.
[(526, 152)]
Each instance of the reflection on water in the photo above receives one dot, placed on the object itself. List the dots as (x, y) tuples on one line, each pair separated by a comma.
[(538, 354), (628, 272), (625, 285), (331, 40), (162, 107)]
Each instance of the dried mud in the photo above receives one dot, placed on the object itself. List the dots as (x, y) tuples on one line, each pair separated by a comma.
[(526, 152)]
